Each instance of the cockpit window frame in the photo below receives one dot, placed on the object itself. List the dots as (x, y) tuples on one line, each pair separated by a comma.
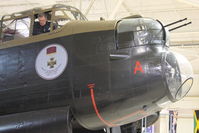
[(31, 14), (14, 29)]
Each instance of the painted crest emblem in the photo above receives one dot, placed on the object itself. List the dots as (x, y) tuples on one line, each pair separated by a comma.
[(51, 61)]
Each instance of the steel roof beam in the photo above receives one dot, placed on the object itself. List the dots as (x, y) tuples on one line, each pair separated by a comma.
[(89, 7), (115, 10)]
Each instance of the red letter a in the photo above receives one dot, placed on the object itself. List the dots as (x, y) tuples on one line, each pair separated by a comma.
[(138, 67)]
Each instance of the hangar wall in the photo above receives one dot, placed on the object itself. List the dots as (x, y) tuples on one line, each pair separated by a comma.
[(185, 123)]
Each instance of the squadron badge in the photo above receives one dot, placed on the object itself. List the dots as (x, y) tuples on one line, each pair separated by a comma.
[(51, 61)]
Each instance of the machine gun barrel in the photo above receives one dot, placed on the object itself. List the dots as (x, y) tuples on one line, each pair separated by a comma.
[(175, 22), (179, 26)]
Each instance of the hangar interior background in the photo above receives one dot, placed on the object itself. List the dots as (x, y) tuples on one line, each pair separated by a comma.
[(184, 40)]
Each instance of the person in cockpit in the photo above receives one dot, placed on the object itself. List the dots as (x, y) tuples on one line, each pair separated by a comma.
[(42, 26)]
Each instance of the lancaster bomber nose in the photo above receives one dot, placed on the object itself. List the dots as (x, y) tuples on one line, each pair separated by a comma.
[(186, 74), (179, 74)]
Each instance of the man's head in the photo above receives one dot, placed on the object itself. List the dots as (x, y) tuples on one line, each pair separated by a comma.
[(42, 19)]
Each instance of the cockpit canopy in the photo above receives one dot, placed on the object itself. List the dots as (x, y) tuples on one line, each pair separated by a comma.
[(20, 25), (140, 31)]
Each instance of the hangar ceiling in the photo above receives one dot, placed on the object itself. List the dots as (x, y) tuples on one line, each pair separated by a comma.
[(166, 11), (184, 40)]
